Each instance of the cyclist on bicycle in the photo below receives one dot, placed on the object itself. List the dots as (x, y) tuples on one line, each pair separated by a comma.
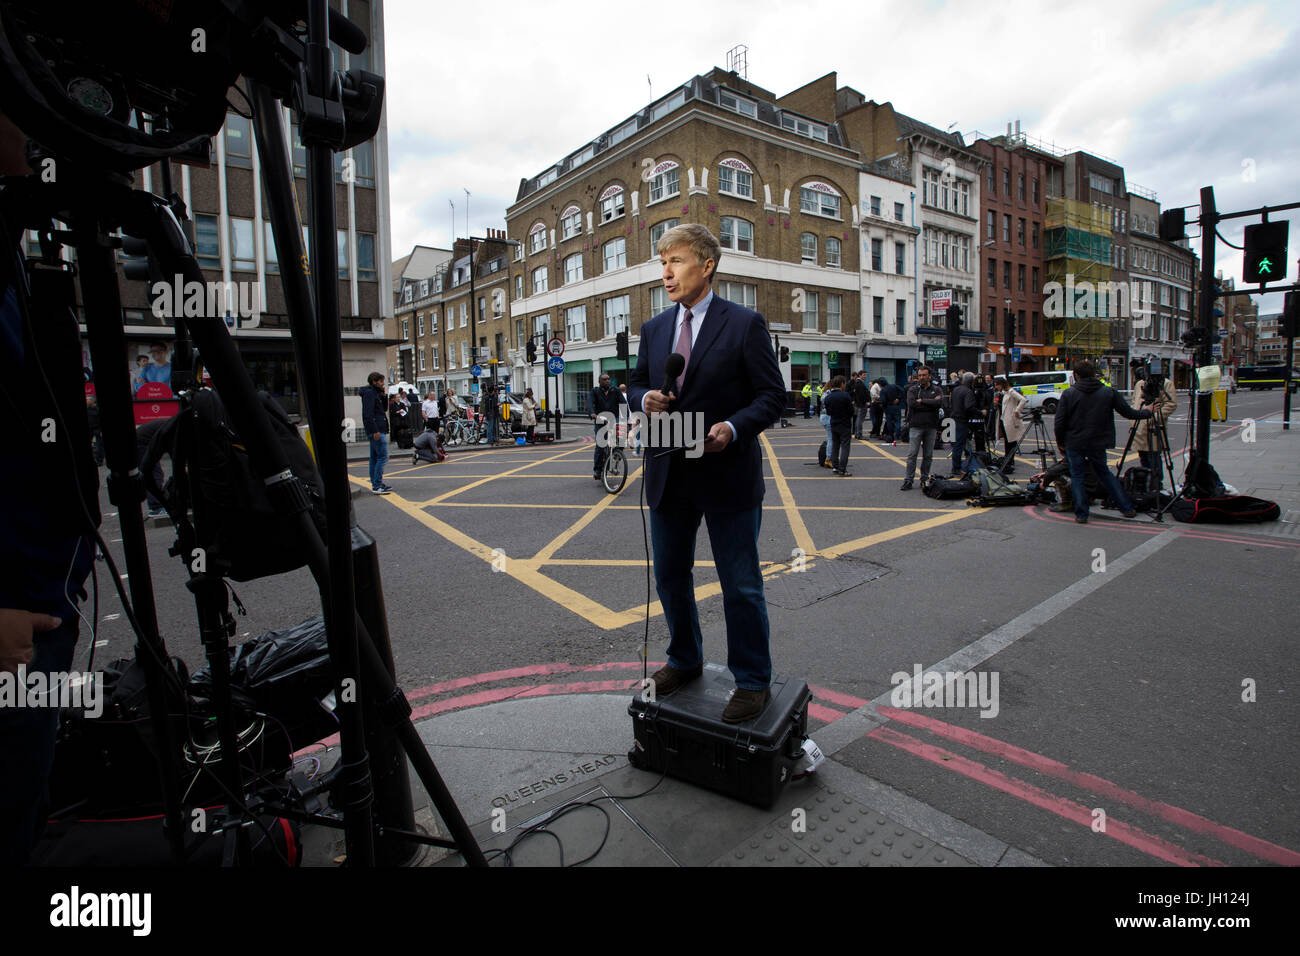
[(603, 399)]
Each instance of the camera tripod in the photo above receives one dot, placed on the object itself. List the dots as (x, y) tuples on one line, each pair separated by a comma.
[(1038, 431), (92, 193), (1158, 439)]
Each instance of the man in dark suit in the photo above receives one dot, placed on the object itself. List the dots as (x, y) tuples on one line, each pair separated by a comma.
[(732, 386)]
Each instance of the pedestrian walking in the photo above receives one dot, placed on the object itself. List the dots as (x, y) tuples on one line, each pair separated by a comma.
[(374, 419), (839, 411), (530, 413), (924, 413)]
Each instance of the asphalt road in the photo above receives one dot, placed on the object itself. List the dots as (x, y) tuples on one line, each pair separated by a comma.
[(1121, 648)]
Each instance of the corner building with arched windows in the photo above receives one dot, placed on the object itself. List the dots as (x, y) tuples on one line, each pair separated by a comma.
[(777, 186)]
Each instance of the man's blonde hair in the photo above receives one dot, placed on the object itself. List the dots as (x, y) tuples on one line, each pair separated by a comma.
[(698, 239)]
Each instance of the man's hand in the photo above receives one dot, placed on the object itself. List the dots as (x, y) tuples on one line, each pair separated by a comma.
[(376, 435), (656, 401), (719, 437), (16, 630)]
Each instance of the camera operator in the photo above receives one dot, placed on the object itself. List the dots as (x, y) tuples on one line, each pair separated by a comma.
[(51, 495), (1157, 393), (965, 414)]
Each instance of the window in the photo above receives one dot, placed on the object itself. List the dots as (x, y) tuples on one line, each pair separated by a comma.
[(1020, 187), (1006, 180), (963, 243), (573, 268), (1006, 227), (615, 254), (810, 312), (805, 128), (433, 321), (419, 323), (464, 354), (1034, 235), (900, 317), (1020, 278), (900, 258), (738, 235), (434, 350), (242, 255), (1035, 317), (664, 185), (988, 184), (1020, 232), (363, 155), (617, 311), (875, 205), (406, 328), (657, 232), (541, 325), (834, 303), (343, 253), (1036, 287), (1006, 275), (464, 314), (819, 199), (992, 321), (659, 300), (482, 310), (808, 245), (207, 241), (991, 227), (877, 254), (239, 140), (575, 323), (742, 293), (580, 157), (739, 104), (735, 179), (667, 106), (832, 252), (877, 314), (571, 222), (539, 280), (1035, 191), (623, 132), (421, 358), (611, 203), (537, 238), (898, 211)]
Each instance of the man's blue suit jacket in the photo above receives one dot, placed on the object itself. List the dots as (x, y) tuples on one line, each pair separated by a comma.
[(732, 376)]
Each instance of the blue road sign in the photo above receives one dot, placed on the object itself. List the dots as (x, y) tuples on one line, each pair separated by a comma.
[(476, 370), (555, 364), (1015, 354)]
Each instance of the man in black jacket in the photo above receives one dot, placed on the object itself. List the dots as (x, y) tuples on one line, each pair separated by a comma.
[(964, 408), (1085, 428), (839, 406), (891, 397), (861, 398), (374, 419), (603, 399), (924, 410)]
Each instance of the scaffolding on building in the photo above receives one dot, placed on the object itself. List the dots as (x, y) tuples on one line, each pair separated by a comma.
[(1078, 250)]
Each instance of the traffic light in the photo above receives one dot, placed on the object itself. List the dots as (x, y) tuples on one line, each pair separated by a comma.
[(1265, 259), (1173, 225), (953, 314), (139, 265), (1011, 333), (620, 341), (1291, 315), (1216, 308), (531, 351), (785, 353)]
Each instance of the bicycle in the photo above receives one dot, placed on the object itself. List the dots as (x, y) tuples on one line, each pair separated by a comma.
[(613, 472)]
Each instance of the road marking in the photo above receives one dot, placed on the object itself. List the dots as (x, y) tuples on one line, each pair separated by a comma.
[(857, 544), (866, 718), (802, 538), (475, 484), (565, 536), (1067, 809)]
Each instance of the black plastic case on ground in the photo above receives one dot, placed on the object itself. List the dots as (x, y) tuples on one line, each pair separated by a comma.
[(750, 761)]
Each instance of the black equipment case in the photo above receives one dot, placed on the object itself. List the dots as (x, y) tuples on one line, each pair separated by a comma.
[(751, 761)]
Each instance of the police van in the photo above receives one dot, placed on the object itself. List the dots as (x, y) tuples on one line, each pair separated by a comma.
[(1041, 389)]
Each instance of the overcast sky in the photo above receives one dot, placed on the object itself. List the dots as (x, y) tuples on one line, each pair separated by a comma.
[(1181, 94)]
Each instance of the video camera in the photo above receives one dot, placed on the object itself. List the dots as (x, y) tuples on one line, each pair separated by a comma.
[(1148, 372)]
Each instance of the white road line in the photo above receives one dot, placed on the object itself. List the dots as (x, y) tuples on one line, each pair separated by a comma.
[(865, 719)]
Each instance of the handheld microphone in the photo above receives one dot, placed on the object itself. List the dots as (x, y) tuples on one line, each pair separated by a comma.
[(674, 367)]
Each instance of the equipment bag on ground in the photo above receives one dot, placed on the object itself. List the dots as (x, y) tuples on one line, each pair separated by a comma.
[(947, 488), (1229, 509)]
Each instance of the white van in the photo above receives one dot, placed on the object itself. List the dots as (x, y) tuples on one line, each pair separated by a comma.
[(1041, 389)]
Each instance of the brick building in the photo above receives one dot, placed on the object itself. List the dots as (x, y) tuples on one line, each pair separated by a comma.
[(775, 183)]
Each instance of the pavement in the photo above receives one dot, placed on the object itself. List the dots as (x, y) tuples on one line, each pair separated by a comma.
[(519, 760)]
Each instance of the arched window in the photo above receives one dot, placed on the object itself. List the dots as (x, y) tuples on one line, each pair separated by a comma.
[(611, 203), (819, 199), (664, 181), (735, 178), (570, 222), (537, 238)]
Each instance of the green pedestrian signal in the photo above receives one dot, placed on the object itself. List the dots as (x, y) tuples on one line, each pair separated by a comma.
[(1265, 258)]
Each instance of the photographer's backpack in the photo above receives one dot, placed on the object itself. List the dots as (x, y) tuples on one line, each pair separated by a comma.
[(216, 501)]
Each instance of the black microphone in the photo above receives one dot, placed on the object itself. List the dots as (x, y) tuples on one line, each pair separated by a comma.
[(674, 367)]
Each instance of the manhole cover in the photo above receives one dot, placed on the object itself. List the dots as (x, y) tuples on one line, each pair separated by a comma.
[(822, 578), (985, 535)]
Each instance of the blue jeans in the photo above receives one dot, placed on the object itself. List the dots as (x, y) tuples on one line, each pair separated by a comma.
[(892, 415), (492, 428), (1096, 457), (27, 750), (378, 458), (826, 424), (733, 536)]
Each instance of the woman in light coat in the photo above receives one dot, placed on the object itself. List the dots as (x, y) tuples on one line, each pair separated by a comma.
[(530, 413), (1013, 426), (1149, 451)]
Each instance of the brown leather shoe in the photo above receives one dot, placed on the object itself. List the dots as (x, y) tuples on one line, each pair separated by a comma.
[(668, 679), (745, 705)]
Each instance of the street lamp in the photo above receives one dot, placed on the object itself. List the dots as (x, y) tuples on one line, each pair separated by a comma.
[(1009, 328)]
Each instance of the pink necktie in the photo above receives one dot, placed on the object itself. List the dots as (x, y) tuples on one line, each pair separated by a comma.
[(684, 347)]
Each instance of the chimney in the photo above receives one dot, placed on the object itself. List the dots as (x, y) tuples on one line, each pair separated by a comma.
[(1017, 129), (1008, 130)]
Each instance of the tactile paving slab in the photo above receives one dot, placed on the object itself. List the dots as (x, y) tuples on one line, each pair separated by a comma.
[(837, 831)]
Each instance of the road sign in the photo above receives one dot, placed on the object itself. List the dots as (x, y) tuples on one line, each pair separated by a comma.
[(476, 371), (832, 358), (555, 364), (1015, 354), (555, 347), (1217, 350)]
